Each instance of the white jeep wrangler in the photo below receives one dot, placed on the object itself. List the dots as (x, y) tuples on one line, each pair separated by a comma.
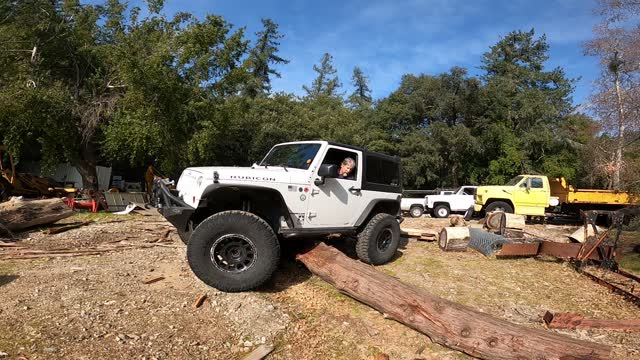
[(233, 218)]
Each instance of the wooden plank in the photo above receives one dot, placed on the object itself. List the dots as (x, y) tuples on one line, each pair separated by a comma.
[(153, 280), (199, 301), (259, 353)]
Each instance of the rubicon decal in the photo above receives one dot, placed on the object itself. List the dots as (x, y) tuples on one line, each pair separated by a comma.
[(254, 178)]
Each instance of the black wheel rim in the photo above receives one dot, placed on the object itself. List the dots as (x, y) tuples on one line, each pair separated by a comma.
[(384, 239), (233, 253)]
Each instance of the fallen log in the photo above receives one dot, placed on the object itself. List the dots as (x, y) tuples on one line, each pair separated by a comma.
[(17, 214), (5, 233), (573, 321), (447, 323), (453, 238)]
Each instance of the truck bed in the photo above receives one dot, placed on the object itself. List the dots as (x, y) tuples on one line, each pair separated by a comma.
[(570, 195)]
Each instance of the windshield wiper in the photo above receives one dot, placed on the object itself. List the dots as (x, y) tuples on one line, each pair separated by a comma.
[(284, 167)]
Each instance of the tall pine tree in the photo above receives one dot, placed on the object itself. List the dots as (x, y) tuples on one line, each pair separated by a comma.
[(263, 57), (361, 97), (326, 83)]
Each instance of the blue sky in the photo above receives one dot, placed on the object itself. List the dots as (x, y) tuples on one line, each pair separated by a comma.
[(387, 39)]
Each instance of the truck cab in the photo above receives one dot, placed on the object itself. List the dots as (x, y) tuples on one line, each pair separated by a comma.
[(524, 195)]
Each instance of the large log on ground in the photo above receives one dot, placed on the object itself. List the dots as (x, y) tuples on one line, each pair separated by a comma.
[(453, 238), (447, 323), (17, 214)]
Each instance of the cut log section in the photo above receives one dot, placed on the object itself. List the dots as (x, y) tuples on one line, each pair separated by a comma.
[(447, 323), (454, 238), (500, 222), (513, 221), (457, 220), (17, 214)]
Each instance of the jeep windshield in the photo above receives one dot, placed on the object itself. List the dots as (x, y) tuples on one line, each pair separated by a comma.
[(297, 156)]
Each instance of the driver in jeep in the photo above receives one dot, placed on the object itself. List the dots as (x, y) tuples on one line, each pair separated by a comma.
[(346, 168)]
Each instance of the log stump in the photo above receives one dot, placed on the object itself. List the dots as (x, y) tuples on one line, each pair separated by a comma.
[(453, 238)]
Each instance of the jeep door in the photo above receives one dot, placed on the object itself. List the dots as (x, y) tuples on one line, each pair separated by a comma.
[(337, 202)]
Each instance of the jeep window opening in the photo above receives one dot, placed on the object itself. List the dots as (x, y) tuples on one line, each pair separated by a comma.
[(335, 156)]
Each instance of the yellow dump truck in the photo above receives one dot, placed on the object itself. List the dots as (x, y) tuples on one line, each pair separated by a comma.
[(534, 194)]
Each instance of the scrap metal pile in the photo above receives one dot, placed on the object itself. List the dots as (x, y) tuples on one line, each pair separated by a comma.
[(504, 236)]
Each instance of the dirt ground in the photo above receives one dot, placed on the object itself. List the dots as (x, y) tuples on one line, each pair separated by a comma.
[(98, 306)]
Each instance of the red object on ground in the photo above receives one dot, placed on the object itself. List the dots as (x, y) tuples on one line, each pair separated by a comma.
[(89, 204)]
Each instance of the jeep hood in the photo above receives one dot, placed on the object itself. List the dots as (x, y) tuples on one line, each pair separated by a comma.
[(258, 174)]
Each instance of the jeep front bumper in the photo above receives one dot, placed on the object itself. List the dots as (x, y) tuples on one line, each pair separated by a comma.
[(172, 207), (477, 207)]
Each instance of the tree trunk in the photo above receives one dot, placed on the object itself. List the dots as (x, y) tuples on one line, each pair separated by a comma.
[(453, 238), (17, 214), (620, 138), (447, 323), (87, 167)]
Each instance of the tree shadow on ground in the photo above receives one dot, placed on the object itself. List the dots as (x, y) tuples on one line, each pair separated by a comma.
[(5, 279)]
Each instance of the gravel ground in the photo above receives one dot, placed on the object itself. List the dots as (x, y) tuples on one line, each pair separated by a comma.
[(95, 307)]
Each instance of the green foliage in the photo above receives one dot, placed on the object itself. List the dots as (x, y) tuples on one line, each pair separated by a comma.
[(183, 91)]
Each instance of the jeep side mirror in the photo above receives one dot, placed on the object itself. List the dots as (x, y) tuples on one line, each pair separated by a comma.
[(326, 171)]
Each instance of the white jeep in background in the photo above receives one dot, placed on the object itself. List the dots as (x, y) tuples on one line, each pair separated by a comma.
[(234, 218), (459, 201)]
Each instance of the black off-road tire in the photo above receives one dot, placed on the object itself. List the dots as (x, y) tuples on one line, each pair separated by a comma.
[(441, 211), (224, 238), (378, 241), (499, 206), (416, 211)]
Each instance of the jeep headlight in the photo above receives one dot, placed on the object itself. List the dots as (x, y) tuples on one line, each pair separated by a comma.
[(479, 198)]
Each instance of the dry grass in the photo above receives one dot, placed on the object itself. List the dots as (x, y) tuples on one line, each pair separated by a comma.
[(79, 306)]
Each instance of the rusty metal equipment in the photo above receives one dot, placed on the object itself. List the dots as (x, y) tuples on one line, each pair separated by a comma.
[(550, 248), (595, 258)]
